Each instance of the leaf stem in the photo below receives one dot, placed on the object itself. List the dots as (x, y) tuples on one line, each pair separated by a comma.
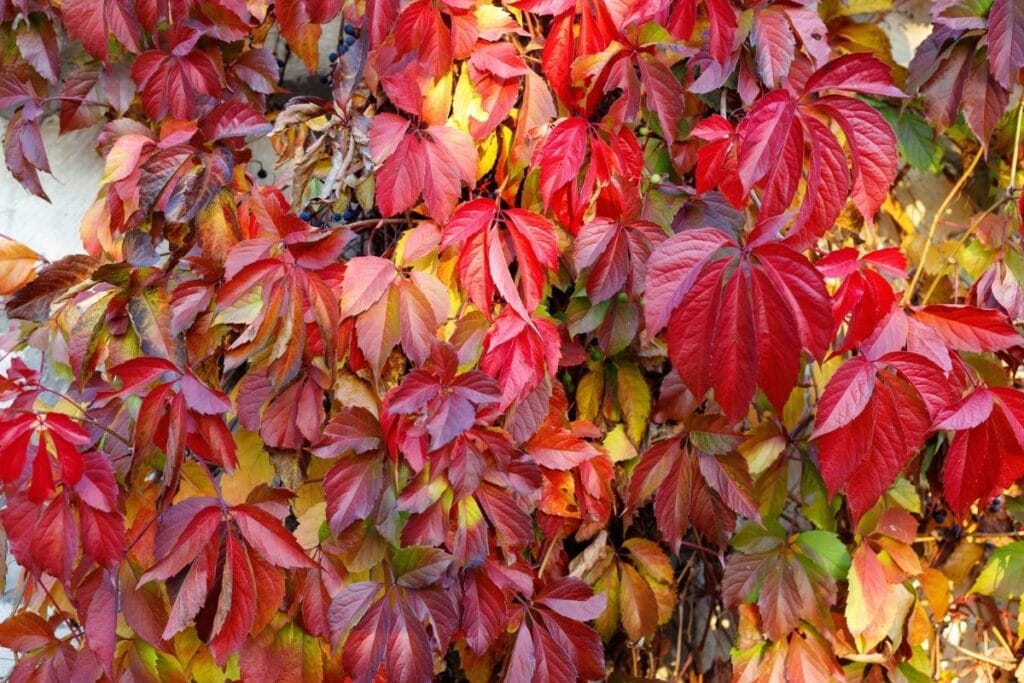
[(950, 196)]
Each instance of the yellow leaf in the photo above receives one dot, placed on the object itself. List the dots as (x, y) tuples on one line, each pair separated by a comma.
[(310, 522), (847, 8), (17, 265), (762, 447), (123, 157), (638, 604), (866, 38), (634, 396), (488, 154), (437, 100), (467, 103), (195, 483), (618, 445), (254, 468), (218, 225), (608, 584), (590, 393)]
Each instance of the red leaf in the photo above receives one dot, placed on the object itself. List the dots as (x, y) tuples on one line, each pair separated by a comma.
[(867, 434), (434, 162), (712, 339), (484, 610), (520, 354), (774, 44), (1006, 41), (967, 328), (92, 22), (181, 82), (408, 652), (353, 429), (560, 157), (559, 449), (236, 605), (985, 455), (25, 631), (984, 101), (616, 254), (859, 72), (352, 488), (54, 544), (267, 535), (185, 529), (684, 254), (24, 152), (872, 145), (103, 537), (234, 120), (100, 615)]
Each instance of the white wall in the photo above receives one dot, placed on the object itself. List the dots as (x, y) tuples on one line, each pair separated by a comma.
[(51, 228)]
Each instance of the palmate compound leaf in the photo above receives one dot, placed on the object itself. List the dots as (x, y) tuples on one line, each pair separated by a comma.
[(433, 162), (616, 255), (783, 130), (691, 489), (392, 307), (873, 416), (488, 239), (552, 642), (93, 21), (178, 411), (447, 401), (865, 297), (790, 580), (737, 317), (396, 629), (181, 81), (986, 453), (234, 559)]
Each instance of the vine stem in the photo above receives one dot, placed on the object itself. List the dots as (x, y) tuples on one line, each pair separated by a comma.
[(933, 226), (375, 222), (1016, 145), (85, 417), (959, 245)]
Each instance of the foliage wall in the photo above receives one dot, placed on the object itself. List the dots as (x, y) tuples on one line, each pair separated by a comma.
[(571, 339)]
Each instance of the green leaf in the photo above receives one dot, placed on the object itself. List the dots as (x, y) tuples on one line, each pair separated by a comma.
[(1003, 575), (827, 551), (916, 139), (751, 537)]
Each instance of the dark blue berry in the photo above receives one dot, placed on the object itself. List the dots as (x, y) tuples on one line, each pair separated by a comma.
[(262, 173), (333, 56), (995, 505), (349, 39), (304, 215), (939, 516), (335, 217), (350, 29), (350, 215), (343, 49)]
